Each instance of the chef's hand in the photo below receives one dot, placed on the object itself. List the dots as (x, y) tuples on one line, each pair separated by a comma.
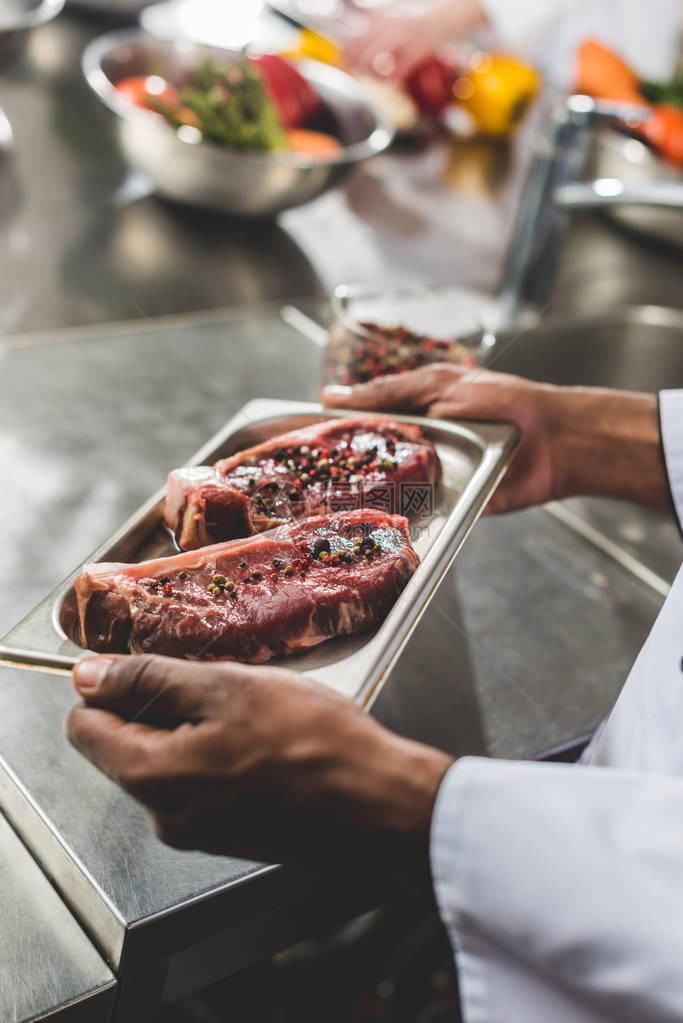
[(255, 761), (575, 440), (395, 39)]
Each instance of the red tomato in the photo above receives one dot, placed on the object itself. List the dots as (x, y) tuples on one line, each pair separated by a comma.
[(145, 90)]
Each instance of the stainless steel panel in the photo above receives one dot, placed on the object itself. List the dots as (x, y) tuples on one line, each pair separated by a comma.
[(472, 457), (50, 969)]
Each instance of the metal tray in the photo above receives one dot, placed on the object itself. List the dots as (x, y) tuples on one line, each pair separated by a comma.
[(473, 456)]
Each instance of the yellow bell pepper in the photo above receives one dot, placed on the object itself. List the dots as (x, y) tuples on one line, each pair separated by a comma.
[(496, 90), (316, 47)]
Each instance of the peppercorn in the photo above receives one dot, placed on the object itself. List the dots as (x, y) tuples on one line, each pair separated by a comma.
[(256, 574), (218, 578), (182, 576), (289, 571), (277, 563), (320, 545), (243, 564), (153, 584), (164, 579), (168, 589), (230, 587)]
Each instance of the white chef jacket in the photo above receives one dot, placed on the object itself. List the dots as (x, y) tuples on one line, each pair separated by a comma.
[(561, 885), (644, 32)]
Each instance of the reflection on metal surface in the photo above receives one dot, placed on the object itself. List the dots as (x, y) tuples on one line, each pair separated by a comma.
[(607, 192), (49, 967), (478, 166), (598, 539), (305, 325)]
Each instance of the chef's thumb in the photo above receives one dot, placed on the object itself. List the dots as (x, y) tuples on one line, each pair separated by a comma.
[(144, 687), (413, 391)]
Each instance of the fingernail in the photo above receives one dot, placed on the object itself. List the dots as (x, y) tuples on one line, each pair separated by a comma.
[(89, 673), (337, 390)]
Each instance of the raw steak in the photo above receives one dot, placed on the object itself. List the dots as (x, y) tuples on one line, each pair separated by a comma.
[(340, 464), (251, 599)]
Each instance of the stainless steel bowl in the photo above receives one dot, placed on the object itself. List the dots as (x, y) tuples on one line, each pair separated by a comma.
[(205, 174), (18, 17)]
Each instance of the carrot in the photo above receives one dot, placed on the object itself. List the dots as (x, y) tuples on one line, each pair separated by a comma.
[(602, 73), (664, 130), (312, 143)]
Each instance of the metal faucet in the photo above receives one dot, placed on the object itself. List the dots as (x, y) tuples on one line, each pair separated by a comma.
[(553, 190)]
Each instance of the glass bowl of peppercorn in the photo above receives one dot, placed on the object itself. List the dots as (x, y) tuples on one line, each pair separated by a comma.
[(377, 331)]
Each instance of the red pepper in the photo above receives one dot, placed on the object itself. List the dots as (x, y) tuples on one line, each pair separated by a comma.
[(431, 85), (294, 96)]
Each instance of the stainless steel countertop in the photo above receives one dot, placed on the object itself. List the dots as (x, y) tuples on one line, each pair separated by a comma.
[(48, 964), (531, 635), (529, 640)]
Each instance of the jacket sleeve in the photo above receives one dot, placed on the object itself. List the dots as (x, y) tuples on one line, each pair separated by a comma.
[(671, 424), (562, 890)]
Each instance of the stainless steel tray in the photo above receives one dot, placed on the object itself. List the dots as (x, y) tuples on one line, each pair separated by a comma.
[(473, 456)]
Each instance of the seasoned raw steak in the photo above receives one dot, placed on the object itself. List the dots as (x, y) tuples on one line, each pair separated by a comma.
[(250, 599), (340, 464)]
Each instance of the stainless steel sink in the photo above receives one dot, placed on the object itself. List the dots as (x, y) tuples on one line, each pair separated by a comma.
[(637, 348)]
